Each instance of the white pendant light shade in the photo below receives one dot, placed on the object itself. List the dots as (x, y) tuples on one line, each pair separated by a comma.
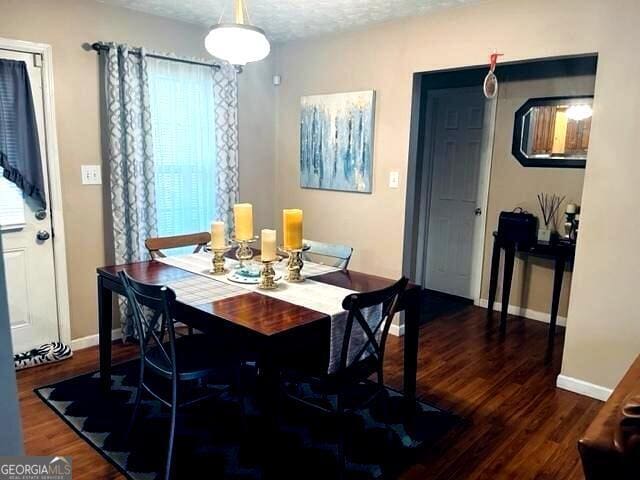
[(238, 44)]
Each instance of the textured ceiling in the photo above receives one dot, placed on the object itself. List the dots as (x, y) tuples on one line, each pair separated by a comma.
[(288, 19)]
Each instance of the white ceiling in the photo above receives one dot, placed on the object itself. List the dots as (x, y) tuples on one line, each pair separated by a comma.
[(288, 19)]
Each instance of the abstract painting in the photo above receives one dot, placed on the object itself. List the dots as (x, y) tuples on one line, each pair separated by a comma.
[(336, 141)]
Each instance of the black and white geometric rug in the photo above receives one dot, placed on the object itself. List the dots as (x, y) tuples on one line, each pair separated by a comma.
[(224, 437)]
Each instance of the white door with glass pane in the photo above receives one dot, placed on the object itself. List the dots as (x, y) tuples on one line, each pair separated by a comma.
[(27, 248)]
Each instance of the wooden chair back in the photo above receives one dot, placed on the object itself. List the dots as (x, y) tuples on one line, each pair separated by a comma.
[(372, 348), (335, 255), (156, 245), (152, 307)]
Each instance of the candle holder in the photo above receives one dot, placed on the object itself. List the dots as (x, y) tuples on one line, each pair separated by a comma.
[(267, 276), (295, 264), (218, 260), (244, 252)]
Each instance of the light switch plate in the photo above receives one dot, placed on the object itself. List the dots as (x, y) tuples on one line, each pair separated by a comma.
[(394, 179), (91, 175)]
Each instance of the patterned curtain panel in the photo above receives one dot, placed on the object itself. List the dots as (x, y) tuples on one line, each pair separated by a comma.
[(130, 156), (226, 120)]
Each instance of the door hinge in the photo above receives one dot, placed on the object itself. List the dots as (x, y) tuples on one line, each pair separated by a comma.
[(37, 60)]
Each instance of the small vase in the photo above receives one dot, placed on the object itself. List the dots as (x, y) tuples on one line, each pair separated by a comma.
[(544, 235)]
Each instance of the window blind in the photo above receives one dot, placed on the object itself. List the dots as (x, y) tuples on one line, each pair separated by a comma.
[(184, 148), (11, 205)]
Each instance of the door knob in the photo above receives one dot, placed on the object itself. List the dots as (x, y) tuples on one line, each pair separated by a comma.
[(477, 212), (43, 235)]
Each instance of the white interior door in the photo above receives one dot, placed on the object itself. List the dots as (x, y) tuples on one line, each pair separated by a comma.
[(28, 260), (454, 212)]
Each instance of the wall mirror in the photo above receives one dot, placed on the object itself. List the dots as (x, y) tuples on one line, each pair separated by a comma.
[(553, 132)]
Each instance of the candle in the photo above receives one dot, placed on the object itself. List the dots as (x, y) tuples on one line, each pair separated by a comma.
[(268, 247), (243, 215), (217, 235), (292, 229), (571, 208)]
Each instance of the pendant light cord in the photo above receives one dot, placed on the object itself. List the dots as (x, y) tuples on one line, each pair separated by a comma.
[(244, 8), (246, 12)]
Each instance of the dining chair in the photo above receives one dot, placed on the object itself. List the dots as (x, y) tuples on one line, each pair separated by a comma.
[(354, 369), (338, 255), (156, 245), (180, 361)]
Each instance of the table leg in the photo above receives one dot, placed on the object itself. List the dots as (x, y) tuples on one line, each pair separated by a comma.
[(509, 257), (558, 275), (268, 396), (104, 333), (411, 334), (493, 279)]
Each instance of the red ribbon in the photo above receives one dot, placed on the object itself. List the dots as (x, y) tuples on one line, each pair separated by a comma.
[(493, 59)]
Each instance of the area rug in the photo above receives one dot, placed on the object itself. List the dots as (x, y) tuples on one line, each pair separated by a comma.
[(226, 436), (435, 305)]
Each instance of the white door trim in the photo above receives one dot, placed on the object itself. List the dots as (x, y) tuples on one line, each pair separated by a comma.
[(484, 181), (55, 184)]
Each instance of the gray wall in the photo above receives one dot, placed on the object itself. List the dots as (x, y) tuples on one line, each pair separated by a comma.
[(10, 428)]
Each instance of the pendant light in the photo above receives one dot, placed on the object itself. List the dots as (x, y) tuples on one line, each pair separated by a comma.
[(238, 42)]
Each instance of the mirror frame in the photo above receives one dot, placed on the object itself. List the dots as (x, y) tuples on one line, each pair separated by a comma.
[(516, 146)]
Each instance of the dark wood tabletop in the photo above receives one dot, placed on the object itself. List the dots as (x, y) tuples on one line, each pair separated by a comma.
[(261, 315)]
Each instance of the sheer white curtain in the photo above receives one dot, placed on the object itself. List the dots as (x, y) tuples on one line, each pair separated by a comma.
[(184, 146)]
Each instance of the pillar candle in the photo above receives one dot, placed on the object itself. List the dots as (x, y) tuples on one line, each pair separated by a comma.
[(292, 228), (268, 245), (217, 235), (243, 215)]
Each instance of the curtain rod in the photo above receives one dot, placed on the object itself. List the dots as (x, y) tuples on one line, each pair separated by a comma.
[(101, 47)]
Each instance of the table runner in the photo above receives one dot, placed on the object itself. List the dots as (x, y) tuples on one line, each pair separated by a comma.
[(194, 291), (318, 296)]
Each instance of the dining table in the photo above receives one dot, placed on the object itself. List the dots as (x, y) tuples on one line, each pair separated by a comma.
[(263, 323)]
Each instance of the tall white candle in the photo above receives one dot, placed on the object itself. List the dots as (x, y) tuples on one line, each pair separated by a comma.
[(268, 246), (217, 235), (243, 214)]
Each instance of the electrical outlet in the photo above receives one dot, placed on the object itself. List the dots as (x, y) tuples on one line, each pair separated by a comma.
[(394, 179), (91, 175)]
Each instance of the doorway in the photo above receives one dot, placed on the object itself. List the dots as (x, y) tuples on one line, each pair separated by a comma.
[(33, 237), (512, 185)]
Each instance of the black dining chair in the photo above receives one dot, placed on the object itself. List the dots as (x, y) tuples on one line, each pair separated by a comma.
[(185, 361), (359, 359)]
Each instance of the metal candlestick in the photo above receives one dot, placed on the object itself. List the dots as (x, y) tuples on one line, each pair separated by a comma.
[(267, 276), (295, 264), (570, 227), (218, 260), (244, 252)]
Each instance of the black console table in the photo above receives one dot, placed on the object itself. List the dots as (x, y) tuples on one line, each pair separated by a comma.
[(560, 252)]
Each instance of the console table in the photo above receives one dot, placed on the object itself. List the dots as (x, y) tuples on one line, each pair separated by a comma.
[(560, 252)]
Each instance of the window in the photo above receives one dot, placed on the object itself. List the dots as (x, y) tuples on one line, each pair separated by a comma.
[(184, 146), (11, 205)]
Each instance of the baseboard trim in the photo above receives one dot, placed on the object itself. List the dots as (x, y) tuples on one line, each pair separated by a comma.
[(521, 312), (396, 329), (581, 387), (93, 340)]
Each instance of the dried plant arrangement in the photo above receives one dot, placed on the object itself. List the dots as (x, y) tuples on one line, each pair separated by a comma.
[(549, 205)]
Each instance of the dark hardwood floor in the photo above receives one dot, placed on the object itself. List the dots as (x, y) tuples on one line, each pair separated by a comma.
[(516, 424)]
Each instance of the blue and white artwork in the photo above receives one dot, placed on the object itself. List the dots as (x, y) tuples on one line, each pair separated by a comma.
[(336, 141)]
